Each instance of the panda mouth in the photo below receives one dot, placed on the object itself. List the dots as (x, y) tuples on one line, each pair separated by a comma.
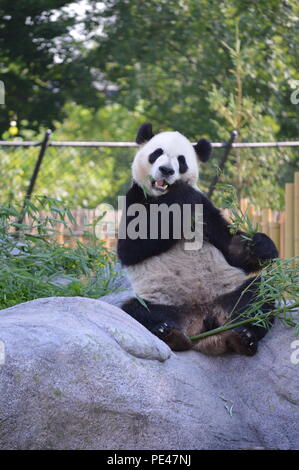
[(160, 185)]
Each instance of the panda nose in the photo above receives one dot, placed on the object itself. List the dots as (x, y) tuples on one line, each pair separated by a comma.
[(166, 170)]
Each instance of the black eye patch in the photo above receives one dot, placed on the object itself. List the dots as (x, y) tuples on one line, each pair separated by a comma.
[(156, 154), (183, 167)]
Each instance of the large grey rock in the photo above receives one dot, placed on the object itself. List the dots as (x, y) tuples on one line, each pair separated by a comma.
[(81, 374)]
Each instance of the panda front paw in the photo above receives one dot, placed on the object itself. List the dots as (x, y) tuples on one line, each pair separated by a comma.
[(263, 247)]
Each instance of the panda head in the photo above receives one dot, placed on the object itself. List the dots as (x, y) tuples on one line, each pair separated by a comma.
[(165, 158)]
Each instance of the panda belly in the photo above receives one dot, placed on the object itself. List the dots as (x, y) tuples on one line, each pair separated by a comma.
[(180, 276)]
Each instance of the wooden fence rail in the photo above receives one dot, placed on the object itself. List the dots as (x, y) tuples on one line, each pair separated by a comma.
[(282, 227), (288, 234)]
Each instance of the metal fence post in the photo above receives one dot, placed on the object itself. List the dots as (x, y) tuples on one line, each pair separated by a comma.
[(222, 161), (44, 145)]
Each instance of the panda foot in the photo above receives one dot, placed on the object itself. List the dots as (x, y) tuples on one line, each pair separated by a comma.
[(174, 337), (243, 341)]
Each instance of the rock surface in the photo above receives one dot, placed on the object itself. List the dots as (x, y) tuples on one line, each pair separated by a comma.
[(81, 374)]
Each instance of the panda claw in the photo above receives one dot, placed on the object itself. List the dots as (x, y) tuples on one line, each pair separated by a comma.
[(173, 336), (247, 342), (163, 327)]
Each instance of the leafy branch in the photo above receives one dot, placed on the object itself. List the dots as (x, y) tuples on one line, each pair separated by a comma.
[(36, 265), (239, 220)]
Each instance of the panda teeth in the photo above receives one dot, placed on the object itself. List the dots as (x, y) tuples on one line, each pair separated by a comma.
[(159, 185)]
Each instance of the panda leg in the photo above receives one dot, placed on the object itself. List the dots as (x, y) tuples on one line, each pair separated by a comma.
[(242, 339), (164, 321)]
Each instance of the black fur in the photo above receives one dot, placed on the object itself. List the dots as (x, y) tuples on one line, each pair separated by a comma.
[(154, 315), (145, 133), (203, 149), (166, 170), (183, 167), (154, 155)]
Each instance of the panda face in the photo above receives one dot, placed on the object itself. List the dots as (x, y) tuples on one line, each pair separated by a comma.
[(166, 158)]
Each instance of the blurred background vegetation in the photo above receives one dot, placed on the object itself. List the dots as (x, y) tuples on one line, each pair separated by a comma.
[(94, 70)]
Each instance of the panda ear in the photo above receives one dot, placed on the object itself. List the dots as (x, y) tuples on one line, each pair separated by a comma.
[(203, 149), (145, 133)]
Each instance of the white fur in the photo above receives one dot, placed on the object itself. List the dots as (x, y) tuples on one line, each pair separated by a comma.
[(173, 144), (181, 276)]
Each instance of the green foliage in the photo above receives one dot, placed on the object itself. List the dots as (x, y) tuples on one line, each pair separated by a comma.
[(81, 177), (168, 53), (185, 65), (142, 301), (239, 220), (33, 264), (178, 64), (41, 63), (161, 57), (104, 172), (252, 172), (279, 282)]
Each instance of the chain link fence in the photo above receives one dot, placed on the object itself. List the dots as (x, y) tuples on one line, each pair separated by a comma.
[(80, 176), (85, 174)]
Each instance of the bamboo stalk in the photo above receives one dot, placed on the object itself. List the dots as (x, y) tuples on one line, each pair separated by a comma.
[(230, 326)]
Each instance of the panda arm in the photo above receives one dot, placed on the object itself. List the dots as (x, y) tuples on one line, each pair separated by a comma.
[(238, 251), (133, 251)]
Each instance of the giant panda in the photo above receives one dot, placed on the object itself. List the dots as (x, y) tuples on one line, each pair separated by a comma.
[(180, 293)]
